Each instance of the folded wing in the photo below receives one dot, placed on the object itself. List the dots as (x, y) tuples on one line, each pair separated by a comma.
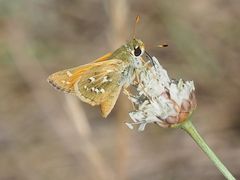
[(98, 83)]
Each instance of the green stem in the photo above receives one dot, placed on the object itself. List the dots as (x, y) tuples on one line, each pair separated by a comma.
[(190, 129)]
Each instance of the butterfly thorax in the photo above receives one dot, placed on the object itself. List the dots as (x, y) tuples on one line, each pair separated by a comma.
[(131, 61)]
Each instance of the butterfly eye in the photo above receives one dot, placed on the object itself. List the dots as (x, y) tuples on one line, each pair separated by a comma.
[(137, 51)]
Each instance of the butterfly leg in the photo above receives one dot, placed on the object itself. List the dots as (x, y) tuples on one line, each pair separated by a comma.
[(126, 92)]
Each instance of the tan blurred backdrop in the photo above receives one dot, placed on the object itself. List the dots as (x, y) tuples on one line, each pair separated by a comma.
[(47, 135)]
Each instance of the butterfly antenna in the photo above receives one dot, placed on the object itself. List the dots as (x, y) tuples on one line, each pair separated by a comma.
[(162, 45), (134, 27), (158, 46), (150, 57)]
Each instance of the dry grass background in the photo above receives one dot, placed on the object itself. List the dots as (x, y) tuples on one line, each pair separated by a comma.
[(45, 134)]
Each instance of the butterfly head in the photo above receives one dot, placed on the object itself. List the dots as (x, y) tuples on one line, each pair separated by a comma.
[(136, 47)]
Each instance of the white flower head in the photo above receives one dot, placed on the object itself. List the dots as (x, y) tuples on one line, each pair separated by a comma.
[(159, 99)]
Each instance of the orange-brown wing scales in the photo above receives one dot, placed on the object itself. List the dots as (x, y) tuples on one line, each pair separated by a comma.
[(97, 83), (108, 104), (101, 86), (104, 57), (62, 80)]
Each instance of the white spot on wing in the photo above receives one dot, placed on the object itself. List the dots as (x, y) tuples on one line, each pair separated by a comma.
[(105, 79), (102, 90), (92, 79), (69, 73), (97, 90)]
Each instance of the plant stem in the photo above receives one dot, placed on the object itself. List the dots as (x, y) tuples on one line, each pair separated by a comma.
[(190, 129)]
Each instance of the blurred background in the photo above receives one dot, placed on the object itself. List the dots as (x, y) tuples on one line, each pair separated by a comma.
[(45, 134)]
